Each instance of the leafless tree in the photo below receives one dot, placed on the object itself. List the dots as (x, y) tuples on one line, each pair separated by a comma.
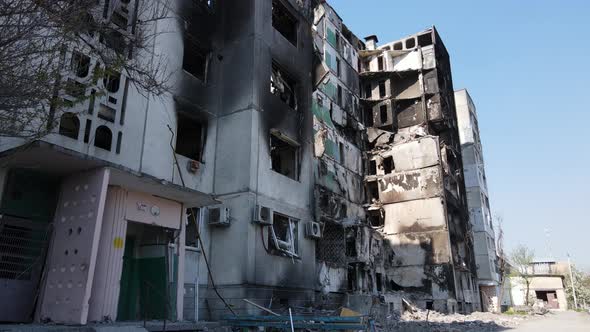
[(39, 40), (522, 259)]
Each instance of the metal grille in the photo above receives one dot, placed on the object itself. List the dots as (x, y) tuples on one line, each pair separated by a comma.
[(22, 247), (331, 248)]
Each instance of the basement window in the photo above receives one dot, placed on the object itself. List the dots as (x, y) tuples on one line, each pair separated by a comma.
[(80, 64), (69, 125), (382, 90), (195, 59), (383, 114), (388, 165), (284, 22), (189, 137), (283, 86), (425, 39), (283, 236), (284, 155)]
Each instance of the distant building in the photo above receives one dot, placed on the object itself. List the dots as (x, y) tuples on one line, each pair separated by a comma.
[(478, 201), (547, 285)]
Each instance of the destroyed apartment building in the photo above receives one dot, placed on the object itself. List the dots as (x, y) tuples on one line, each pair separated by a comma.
[(291, 165)]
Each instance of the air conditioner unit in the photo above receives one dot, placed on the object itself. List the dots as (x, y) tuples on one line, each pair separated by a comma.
[(218, 216), (263, 215), (313, 230)]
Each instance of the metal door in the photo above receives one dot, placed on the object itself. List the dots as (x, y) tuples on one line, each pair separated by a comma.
[(72, 256)]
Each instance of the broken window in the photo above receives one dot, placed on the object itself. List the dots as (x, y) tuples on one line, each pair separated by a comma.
[(192, 228), (376, 218), (114, 40), (388, 165), (368, 114), (380, 63), (284, 155), (372, 191), (338, 67), (283, 235), (284, 22), (372, 167), (425, 39), (69, 125), (103, 138), (341, 150), (340, 100), (378, 281), (350, 236), (429, 305), (80, 64), (382, 91), (383, 114), (189, 137), (283, 86), (195, 58), (410, 43)]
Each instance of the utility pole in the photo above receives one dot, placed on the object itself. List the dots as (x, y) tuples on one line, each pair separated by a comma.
[(572, 279)]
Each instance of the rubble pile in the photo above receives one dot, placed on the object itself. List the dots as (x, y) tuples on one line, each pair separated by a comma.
[(425, 320)]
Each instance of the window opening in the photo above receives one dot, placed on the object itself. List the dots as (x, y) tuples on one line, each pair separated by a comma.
[(283, 235), (383, 114), (189, 137), (425, 40), (283, 86), (410, 43), (382, 90), (284, 22), (380, 63), (388, 165), (69, 125), (106, 113), (284, 156), (80, 64), (398, 46), (195, 59), (103, 138)]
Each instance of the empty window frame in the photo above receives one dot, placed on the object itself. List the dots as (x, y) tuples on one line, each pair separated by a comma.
[(388, 165), (368, 91), (114, 40), (376, 218), (410, 43), (382, 90), (69, 125), (284, 156), (195, 60), (103, 138), (112, 81), (398, 46), (425, 39), (80, 64), (284, 22), (190, 137), (192, 228), (283, 86), (383, 114), (338, 67), (340, 97), (380, 63), (106, 113), (283, 236)]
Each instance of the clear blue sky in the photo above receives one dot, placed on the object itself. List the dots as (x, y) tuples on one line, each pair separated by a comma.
[(526, 64)]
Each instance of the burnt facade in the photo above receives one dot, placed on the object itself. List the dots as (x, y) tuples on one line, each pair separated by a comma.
[(414, 180)]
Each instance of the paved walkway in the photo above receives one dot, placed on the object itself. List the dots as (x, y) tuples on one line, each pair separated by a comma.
[(566, 321)]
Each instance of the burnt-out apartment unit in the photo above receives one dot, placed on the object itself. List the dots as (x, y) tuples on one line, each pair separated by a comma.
[(414, 178), (290, 165)]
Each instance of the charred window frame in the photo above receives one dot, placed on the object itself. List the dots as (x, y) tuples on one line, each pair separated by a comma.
[(284, 155), (195, 58), (283, 85), (193, 228), (283, 236), (190, 136), (284, 21)]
